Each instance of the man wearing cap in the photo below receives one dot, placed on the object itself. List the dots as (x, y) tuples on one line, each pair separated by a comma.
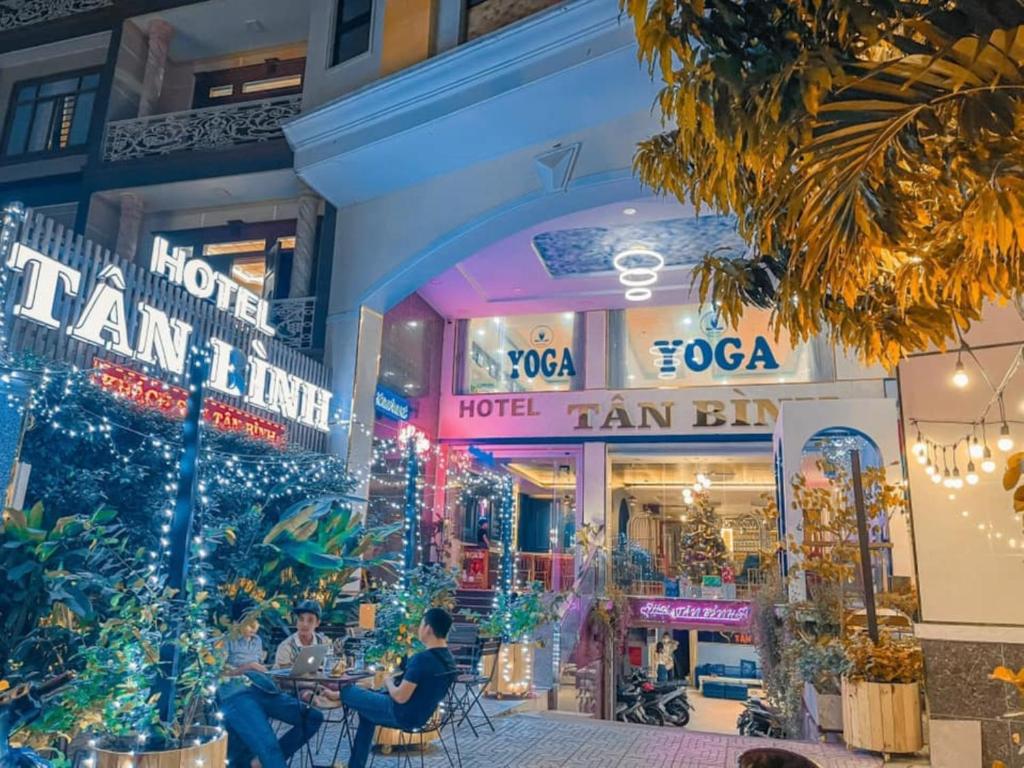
[(307, 619)]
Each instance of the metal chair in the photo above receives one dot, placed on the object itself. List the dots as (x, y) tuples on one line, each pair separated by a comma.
[(472, 683), (446, 716)]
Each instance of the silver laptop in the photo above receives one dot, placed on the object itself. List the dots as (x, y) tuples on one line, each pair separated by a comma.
[(309, 661)]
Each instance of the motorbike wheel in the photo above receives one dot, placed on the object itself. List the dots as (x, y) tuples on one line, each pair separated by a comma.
[(654, 716), (680, 718)]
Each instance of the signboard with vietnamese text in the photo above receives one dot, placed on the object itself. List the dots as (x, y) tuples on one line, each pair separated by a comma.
[(607, 414), (148, 392), (683, 613)]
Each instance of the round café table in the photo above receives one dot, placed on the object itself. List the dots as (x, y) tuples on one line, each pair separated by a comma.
[(315, 681)]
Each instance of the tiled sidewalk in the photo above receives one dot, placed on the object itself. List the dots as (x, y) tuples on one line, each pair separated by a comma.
[(553, 741)]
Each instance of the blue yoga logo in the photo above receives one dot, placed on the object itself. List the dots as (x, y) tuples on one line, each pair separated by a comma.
[(698, 355)]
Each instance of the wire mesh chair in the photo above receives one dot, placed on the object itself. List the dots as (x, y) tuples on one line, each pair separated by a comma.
[(471, 683), (444, 718)]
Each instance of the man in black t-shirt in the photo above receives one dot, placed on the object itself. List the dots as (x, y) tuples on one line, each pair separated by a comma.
[(411, 702)]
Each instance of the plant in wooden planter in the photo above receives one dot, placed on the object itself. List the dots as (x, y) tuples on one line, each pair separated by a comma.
[(881, 694), (516, 619)]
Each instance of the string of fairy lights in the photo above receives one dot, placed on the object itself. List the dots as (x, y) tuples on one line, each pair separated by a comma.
[(971, 449), (47, 394)]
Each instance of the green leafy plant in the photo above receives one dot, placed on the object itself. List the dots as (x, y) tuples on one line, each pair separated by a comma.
[(518, 615), (400, 609)]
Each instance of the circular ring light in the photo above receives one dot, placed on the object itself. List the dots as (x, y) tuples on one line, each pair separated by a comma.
[(642, 254), (641, 272), (638, 277), (638, 294)]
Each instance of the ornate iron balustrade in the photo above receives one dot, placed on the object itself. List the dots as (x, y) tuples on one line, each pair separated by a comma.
[(199, 129), (294, 319), (24, 13)]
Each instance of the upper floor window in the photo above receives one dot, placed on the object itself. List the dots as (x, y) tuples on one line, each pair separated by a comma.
[(50, 115), (268, 80), (522, 353), (352, 25)]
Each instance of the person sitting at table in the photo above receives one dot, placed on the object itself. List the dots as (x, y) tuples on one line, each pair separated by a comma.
[(307, 620), (410, 702), (249, 698)]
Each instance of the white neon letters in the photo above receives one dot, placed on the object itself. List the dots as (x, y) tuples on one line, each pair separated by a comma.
[(41, 282), (162, 341), (204, 282)]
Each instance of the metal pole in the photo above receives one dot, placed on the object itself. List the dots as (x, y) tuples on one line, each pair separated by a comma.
[(865, 545), (180, 535), (411, 510)]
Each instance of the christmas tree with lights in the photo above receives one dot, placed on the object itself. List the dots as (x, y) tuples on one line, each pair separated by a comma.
[(703, 551)]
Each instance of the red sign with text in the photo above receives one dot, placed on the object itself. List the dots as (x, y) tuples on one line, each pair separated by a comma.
[(170, 400)]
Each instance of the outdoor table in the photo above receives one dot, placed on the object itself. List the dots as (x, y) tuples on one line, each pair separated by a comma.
[(316, 681)]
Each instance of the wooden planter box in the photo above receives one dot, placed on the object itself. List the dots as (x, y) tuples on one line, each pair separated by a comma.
[(825, 709), (514, 675), (882, 717), (212, 753)]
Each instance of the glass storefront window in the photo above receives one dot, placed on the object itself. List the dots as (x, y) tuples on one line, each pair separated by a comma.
[(523, 353), (683, 346)]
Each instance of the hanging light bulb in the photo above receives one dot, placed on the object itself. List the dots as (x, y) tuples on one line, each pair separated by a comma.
[(929, 468), (957, 481), (1005, 442), (975, 450), (706, 482), (947, 479), (919, 446), (960, 377), (972, 476), (936, 477), (987, 464)]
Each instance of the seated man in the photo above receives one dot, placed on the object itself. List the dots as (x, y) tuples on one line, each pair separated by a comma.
[(250, 698), (307, 620), (410, 703)]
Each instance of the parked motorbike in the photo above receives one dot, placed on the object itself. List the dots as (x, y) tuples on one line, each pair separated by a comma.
[(629, 704), (20, 706), (662, 702), (759, 719)]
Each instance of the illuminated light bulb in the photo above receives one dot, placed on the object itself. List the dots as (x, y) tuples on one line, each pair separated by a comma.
[(972, 475), (919, 446), (929, 468), (987, 464), (960, 377), (947, 480), (965, 513), (922, 458), (975, 450), (936, 477), (1005, 442), (956, 481)]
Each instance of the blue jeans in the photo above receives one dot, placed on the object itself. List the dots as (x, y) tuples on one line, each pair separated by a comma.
[(374, 709), (248, 713), (662, 673)]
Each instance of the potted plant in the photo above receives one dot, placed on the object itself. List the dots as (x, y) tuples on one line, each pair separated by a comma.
[(400, 608), (881, 694), (515, 620)]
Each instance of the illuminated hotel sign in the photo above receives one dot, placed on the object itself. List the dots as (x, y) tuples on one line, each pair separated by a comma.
[(163, 342), (610, 414)]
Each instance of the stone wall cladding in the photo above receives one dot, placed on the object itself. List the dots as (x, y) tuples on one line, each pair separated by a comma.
[(491, 15), (958, 688)]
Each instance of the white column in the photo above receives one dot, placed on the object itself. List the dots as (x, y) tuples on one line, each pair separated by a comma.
[(129, 226), (158, 43), (596, 354), (305, 244), (353, 342)]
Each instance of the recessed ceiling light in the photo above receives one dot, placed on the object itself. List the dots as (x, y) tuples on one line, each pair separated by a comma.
[(481, 331), (629, 211), (413, 323)]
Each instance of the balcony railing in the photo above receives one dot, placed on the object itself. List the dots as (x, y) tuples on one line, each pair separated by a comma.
[(210, 128), (24, 13), (294, 320)]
